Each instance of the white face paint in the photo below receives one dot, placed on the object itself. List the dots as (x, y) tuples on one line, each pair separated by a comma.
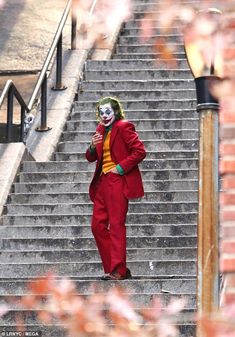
[(107, 114)]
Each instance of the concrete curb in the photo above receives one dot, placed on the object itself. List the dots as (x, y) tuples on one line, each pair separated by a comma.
[(11, 156)]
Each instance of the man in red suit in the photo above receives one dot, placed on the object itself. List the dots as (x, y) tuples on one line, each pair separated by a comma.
[(117, 150)]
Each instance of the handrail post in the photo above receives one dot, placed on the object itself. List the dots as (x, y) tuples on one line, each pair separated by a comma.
[(10, 98), (58, 86), (43, 126), (73, 28), (22, 123)]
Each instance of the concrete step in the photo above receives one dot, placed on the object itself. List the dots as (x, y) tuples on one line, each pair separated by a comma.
[(138, 74), (148, 134), (151, 13), (160, 114), (32, 326), (150, 124), (73, 177), (169, 38), (127, 64), (50, 198), (32, 232), (156, 30), (147, 2), (141, 14), (146, 56), (138, 94), (185, 330), (39, 198), (136, 23), (53, 187), (150, 155), (65, 166), (168, 104), (147, 48), (174, 103), (73, 219), (68, 269), (157, 285), (55, 166), (86, 255), (74, 187), (137, 299), (80, 208), (143, 6), (70, 243), (31, 320), (138, 84), (150, 145)]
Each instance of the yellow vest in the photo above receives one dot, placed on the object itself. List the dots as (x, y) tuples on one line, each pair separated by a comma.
[(108, 164)]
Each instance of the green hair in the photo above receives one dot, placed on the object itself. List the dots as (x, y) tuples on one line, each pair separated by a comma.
[(115, 104)]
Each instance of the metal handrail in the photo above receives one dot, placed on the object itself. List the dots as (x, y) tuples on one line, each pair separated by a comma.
[(18, 96), (50, 54), (11, 91)]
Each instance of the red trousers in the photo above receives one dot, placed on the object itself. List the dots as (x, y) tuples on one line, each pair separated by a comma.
[(108, 222)]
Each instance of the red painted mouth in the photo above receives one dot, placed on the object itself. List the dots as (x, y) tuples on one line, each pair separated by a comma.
[(106, 120)]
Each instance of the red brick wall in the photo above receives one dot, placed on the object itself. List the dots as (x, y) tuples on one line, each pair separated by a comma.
[(227, 202)]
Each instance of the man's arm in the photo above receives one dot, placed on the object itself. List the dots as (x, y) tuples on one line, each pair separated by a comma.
[(91, 154), (135, 146)]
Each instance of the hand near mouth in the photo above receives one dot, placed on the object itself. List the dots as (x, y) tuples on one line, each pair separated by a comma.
[(96, 139)]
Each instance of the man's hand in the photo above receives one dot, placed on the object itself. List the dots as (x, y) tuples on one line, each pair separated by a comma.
[(96, 139), (114, 170)]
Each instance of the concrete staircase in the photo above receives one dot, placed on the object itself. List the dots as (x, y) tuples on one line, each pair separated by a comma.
[(46, 223)]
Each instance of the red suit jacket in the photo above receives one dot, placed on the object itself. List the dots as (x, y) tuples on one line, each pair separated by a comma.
[(126, 150)]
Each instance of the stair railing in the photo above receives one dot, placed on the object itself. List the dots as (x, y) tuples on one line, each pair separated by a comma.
[(11, 91), (42, 79)]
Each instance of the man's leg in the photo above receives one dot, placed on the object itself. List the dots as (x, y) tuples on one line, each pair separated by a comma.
[(117, 205), (100, 228)]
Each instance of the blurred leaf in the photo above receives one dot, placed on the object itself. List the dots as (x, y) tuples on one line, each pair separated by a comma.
[(165, 52), (175, 306), (29, 302), (3, 309), (42, 286), (44, 316)]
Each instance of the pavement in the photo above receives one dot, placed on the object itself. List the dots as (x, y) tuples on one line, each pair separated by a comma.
[(27, 29)]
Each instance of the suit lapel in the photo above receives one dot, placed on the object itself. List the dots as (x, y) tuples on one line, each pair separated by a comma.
[(113, 133)]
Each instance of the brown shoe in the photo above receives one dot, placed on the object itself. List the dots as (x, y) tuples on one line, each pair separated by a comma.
[(104, 277), (115, 276)]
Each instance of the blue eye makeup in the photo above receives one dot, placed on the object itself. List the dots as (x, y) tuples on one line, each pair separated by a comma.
[(107, 112)]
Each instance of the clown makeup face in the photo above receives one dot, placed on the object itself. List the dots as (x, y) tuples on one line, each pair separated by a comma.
[(107, 114)]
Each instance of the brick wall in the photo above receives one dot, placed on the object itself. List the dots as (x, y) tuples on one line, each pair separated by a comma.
[(227, 200)]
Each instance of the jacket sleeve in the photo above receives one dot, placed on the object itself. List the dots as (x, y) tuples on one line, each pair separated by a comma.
[(134, 145), (91, 154)]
